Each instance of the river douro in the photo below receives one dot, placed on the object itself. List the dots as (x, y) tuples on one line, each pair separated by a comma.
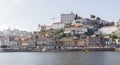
[(60, 58)]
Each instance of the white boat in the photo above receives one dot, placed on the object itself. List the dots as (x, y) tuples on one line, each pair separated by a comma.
[(44, 49)]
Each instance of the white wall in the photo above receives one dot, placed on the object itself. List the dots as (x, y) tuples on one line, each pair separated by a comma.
[(67, 18), (58, 26), (107, 30)]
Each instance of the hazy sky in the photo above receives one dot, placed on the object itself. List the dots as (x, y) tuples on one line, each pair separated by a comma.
[(27, 14)]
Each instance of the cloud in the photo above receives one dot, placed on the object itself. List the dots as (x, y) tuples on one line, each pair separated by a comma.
[(18, 27), (6, 27), (3, 27)]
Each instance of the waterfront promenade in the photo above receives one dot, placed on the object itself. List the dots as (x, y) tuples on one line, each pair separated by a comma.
[(54, 48)]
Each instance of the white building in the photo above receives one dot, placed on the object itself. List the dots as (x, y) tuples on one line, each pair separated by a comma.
[(58, 25), (48, 27), (44, 27), (67, 18), (118, 24), (108, 30), (79, 30), (5, 41)]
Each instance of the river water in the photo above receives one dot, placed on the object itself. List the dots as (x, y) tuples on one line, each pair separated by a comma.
[(60, 58)]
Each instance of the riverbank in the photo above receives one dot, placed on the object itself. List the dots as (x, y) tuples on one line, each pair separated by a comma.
[(60, 50)]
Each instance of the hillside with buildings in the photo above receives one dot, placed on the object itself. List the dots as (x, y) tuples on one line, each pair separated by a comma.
[(76, 30), (71, 30), (13, 37)]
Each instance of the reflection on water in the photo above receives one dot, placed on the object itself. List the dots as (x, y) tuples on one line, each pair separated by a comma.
[(60, 58)]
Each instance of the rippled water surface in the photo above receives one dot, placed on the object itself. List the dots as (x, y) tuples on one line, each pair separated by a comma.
[(60, 58)]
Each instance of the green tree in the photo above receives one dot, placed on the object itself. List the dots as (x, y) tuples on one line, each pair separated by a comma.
[(89, 32)]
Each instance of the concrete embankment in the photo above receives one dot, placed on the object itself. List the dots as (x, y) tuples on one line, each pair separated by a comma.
[(101, 49), (117, 49), (60, 50)]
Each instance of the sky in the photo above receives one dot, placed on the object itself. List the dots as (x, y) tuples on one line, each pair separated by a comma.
[(27, 14)]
